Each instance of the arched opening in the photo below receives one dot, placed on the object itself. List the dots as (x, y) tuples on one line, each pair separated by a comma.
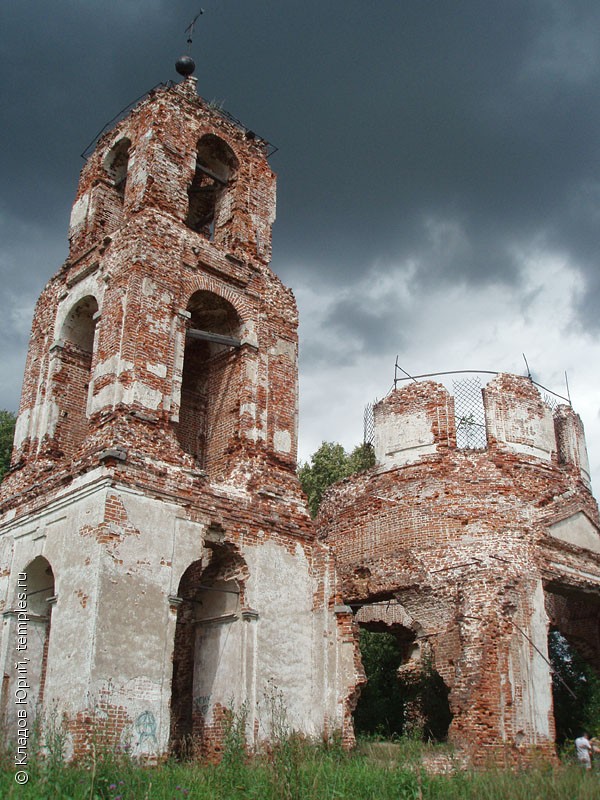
[(39, 582), (29, 636), (72, 380), (207, 650), (215, 169), (210, 389), (575, 690), (116, 164), (380, 707), (404, 694), (574, 655)]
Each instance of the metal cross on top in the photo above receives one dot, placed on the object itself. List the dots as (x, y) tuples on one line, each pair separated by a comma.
[(190, 28)]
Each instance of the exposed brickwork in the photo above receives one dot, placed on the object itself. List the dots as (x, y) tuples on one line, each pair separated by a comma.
[(142, 450), (154, 468), (99, 730), (44, 666), (349, 633), (468, 543)]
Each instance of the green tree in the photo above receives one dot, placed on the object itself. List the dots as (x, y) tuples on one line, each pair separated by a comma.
[(329, 464), (575, 690), (391, 704), (7, 434), (361, 458), (380, 708)]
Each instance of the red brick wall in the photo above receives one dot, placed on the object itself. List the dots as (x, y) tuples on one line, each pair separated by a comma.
[(144, 266), (461, 539), (223, 410), (71, 384)]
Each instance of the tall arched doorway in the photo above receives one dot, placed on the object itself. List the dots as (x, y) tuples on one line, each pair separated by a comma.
[(574, 654), (29, 624), (207, 654), (404, 693)]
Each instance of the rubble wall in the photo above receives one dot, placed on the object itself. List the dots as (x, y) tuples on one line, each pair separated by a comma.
[(474, 545), (188, 584)]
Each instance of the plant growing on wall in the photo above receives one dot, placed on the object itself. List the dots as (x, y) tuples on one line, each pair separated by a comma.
[(7, 434)]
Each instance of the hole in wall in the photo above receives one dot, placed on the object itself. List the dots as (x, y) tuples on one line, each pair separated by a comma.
[(404, 694), (215, 169), (206, 647), (72, 378)]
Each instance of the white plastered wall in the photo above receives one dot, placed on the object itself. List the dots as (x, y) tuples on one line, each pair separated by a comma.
[(113, 624), (530, 676)]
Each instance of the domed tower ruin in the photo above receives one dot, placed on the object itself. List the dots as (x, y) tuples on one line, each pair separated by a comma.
[(157, 561), (471, 556)]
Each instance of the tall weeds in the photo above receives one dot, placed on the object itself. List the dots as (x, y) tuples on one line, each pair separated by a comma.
[(292, 768)]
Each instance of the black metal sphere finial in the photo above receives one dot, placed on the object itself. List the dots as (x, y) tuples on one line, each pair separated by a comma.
[(185, 65)]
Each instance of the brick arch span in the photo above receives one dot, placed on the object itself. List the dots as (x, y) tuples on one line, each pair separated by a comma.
[(81, 312), (86, 291), (226, 550), (206, 283), (209, 129)]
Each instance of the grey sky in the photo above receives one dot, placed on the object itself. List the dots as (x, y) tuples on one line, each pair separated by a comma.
[(438, 174)]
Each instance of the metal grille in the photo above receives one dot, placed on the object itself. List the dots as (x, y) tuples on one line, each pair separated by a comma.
[(118, 117), (369, 425), (215, 106), (469, 414)]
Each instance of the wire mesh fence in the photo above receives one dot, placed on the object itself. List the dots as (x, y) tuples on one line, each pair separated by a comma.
[(469, 411), (369, 424), (469, 414)]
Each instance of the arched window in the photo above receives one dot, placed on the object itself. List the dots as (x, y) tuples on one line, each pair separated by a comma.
[(216, 165), (71, 382), (209, 411), (116, 164)]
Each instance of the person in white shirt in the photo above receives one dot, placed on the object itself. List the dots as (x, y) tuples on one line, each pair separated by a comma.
[(583, 749)]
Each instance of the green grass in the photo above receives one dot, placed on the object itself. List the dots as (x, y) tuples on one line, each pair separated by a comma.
[(293, 770)]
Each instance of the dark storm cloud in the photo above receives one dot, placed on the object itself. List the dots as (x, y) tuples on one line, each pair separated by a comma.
[(355, 326), (481, 119), (451, 135), (68, 67)]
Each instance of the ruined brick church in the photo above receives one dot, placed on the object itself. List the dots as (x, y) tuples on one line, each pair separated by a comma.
[(158, 566)]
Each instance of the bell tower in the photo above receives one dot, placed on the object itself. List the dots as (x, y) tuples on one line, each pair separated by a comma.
[(166, 313), (153, 485)]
